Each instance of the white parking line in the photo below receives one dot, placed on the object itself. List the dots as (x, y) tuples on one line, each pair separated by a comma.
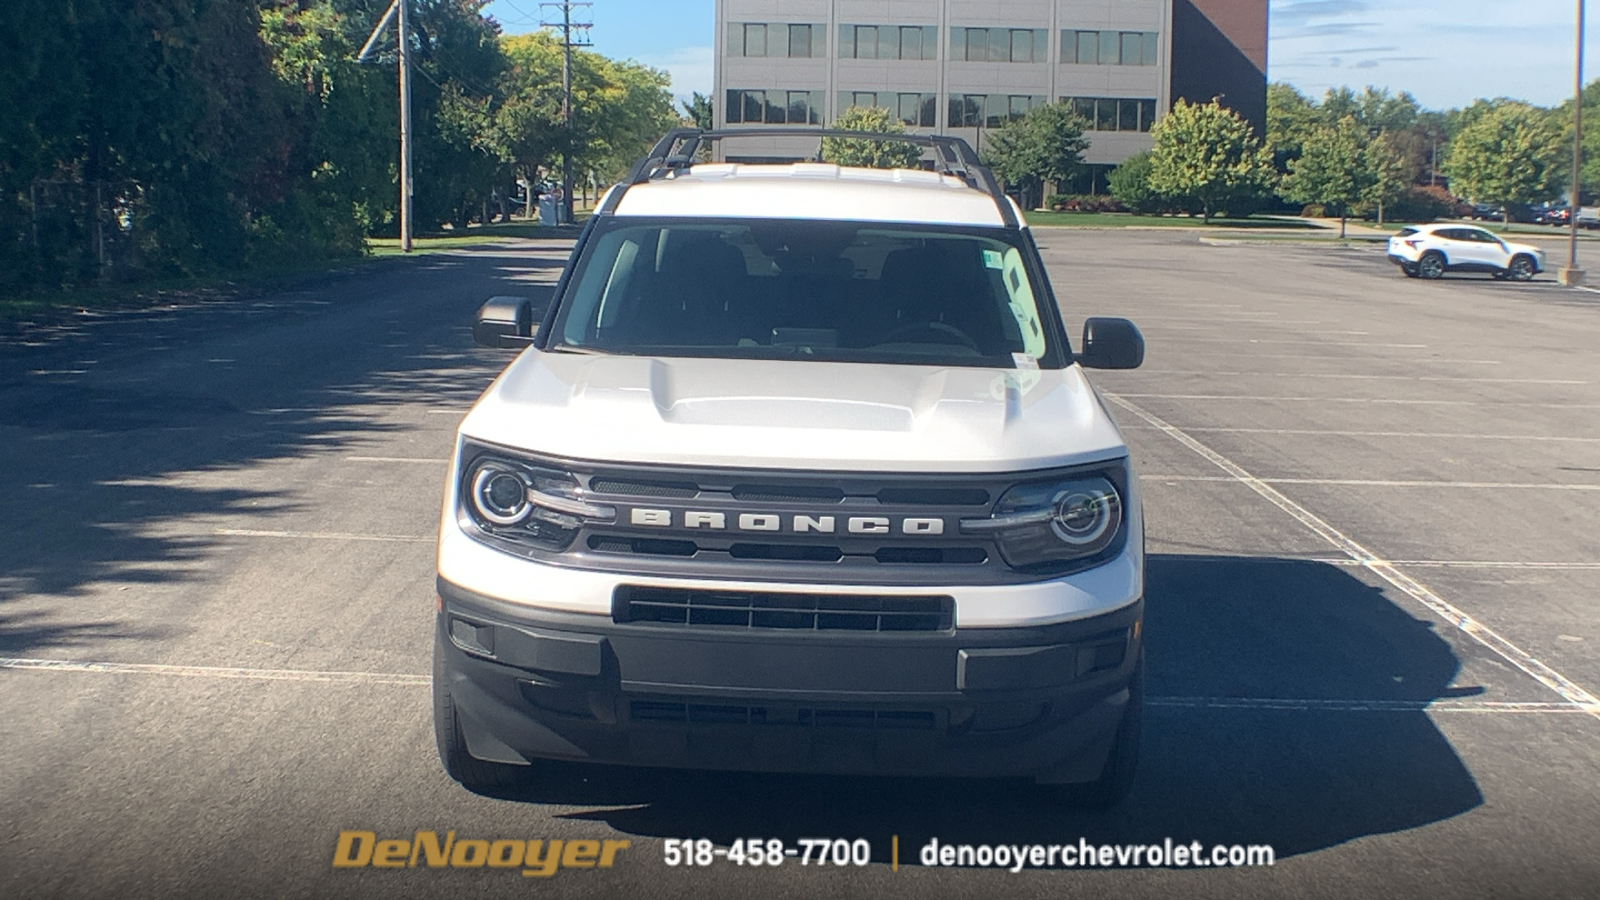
[(1413, 563), (1208, 429), (1366, 377), (1262, 398), (114, 668), (234, 673), (1446, 705), (325, 535), (1241, 341), (1365, 482), (1489, 638)]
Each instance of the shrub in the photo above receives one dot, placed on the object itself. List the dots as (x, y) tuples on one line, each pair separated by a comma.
[(1084, 203), (1130, 184)]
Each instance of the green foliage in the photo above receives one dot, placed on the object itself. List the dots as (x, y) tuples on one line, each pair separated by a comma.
[(1130, 184), (1332, 169), (1388, 172), (180, 137), (698, 112), (1047, 144), (866, 153), (1291, 116), (1208, 153), (1509, 154)]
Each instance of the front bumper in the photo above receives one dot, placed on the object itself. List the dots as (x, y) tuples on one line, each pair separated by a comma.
[(1041, 701)]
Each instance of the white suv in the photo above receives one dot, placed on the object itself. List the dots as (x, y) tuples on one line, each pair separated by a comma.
[(797, 470), (1429, 251)]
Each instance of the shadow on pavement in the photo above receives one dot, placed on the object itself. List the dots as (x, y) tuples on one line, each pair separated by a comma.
[(1298, 779), (119, 429)]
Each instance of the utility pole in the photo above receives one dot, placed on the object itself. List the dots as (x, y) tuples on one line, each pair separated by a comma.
[(397, 10), (1571, 275), (567, 43)]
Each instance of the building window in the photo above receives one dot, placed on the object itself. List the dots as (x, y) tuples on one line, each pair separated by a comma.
[(888, 41), (774, 107), (990, 110), (1017, 45), (1114, 113), (775, 39), (1109, 48)]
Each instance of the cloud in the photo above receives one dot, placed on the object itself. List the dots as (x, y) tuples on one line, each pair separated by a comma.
[(690, 68)]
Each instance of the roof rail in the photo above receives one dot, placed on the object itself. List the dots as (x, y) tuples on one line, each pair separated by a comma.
[(676, 152)]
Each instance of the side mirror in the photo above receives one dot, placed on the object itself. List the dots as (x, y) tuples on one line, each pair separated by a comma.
[(1111, 344), (506, 322)]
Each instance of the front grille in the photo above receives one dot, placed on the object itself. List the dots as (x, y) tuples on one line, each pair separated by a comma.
[(798, 612), (676, 489), (730, 714), (791, 493)]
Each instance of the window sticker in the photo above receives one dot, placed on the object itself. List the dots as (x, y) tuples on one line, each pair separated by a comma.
[(1023, 307), (993, 259)]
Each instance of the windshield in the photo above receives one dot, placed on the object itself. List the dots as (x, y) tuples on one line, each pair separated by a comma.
[(777, 288)]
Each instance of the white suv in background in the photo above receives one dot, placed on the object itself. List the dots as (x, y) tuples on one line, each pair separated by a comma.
[(1429, 251)]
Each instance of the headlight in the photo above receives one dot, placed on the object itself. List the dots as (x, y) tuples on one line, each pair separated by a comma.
[(1051, 524), (526, 503)]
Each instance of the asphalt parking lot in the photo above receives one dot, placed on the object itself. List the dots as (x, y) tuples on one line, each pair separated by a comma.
[(1373, 599)]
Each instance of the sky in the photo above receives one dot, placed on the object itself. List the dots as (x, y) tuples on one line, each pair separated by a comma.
[(1445, 52)]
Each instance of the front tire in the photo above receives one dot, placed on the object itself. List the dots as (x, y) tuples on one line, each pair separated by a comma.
[(476, 775), (1521, 269), (1431, 266)]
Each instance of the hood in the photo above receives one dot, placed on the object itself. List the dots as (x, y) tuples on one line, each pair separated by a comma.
[(795, 414)]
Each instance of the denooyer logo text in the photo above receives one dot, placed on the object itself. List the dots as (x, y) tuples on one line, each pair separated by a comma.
[(536, 858)]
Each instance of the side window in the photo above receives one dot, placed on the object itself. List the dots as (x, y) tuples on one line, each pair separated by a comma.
[(1020, 296)]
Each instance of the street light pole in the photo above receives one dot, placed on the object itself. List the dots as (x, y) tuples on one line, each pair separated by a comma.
[(1571, 275)]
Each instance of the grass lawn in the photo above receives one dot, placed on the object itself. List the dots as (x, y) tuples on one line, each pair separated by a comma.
[(1129, 220), (224, 284)]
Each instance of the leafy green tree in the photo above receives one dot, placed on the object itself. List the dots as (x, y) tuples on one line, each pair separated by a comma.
[(1208, 153), (1130, 184), (1332, 171), (1291, 116), (698, 112), (869, 153), (1507, 155), (1047, 144), (1389, 171)]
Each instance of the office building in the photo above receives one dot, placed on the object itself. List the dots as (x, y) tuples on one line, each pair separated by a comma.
[(967, 67)]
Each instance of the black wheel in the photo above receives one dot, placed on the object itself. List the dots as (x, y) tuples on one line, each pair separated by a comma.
[(1116, 779), (1431, 266), (476, 775), (1409, 270), (1522, 269)]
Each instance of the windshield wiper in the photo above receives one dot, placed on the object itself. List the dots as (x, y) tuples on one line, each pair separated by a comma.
[(580, 351)]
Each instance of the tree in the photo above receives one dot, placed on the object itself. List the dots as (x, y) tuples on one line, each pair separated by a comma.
[(868, 153), (1209, 153), (1291, 116), (1332, 170), (1130, 184), (1389, 172), (698, 112), (1507, 155), (1047, 144)]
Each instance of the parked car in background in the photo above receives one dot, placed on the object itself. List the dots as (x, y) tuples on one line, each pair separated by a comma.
[(1589, 217), (1552, 214), (1429, 251)]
